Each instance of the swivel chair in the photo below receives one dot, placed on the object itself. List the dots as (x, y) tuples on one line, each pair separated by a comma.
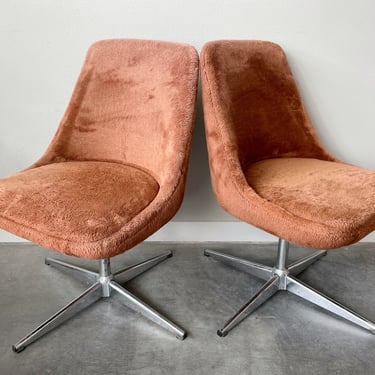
[(269, 169), (115, 171)]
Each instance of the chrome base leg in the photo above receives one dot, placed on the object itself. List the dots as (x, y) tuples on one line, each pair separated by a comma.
[(89, 296), (60, 263), (297, 267), (265, 293), (135, 270), (279, 278), (306, 292), (259, 270), (105, 283), (139, 306)]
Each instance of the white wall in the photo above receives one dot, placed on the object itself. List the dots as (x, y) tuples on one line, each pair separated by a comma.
[(330, 45)]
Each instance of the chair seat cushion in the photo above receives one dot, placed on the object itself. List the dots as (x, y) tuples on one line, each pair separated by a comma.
[(74, 201), (337, 195)]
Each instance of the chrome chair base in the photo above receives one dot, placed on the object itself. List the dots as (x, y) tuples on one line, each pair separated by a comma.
[(105, 282), (282, 277)]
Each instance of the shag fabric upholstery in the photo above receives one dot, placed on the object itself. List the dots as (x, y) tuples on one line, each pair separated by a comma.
[(77, 201), (338, 195), (115, 171), (268, 167)]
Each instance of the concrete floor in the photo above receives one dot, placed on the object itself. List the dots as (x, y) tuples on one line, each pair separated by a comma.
[(285, 336)]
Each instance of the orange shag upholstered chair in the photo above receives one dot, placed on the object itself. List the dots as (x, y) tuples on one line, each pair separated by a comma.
[(115, 170), (269, 169)]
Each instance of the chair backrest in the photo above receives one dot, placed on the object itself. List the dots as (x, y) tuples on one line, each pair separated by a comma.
[(134, 103), (251, 99)]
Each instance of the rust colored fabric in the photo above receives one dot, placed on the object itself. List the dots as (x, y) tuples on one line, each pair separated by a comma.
[(90, 200), (268, 167), (115, 171)]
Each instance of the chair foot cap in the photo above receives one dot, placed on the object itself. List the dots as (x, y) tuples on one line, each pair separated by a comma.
[(183, 337), (220, 333), (18, 350)]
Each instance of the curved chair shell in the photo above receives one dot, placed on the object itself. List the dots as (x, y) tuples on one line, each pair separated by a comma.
[(115, 171), (268, 167)]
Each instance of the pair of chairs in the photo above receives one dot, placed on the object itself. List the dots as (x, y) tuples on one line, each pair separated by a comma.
[(115, 171)]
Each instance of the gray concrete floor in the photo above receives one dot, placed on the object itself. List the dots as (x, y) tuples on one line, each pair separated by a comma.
[(285, 336)]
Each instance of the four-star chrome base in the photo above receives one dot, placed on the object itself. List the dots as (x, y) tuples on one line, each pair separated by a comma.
[(282, 277), (105, 283)]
